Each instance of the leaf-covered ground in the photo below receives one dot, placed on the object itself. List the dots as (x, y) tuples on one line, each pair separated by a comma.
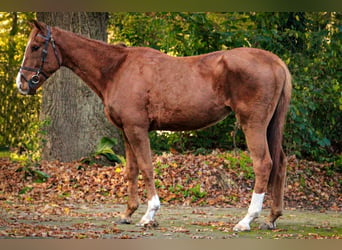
[(89, 197)]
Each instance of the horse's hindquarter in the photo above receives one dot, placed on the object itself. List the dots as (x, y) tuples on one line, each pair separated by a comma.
[(255, 79)]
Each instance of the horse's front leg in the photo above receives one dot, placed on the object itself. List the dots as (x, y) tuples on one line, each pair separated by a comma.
[(138, 140), (131, 176)]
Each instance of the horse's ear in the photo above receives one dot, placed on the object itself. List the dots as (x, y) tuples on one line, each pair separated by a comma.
[(38, 25)]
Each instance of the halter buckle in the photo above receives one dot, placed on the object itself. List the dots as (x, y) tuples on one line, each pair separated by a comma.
[(35, 78)]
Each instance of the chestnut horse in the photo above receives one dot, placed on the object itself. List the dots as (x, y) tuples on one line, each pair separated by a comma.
[(143, 89)]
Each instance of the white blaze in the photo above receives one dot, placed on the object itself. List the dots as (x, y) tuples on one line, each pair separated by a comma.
[(18, 79)]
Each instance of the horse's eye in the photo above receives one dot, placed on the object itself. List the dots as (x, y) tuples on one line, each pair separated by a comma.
[(35, 48)]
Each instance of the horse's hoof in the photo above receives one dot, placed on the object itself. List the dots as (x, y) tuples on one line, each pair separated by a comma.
[(124, 221), (241, 228), (148, 224), (267, 226)]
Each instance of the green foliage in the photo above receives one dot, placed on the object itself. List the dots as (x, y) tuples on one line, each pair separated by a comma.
[(25, 190), (16, 112), (194, 192), (31, 144), (29, 152), (240, 161), (159, 168), (105, 148), (19, 124), (4, 152), (315, 123), (36, 175)]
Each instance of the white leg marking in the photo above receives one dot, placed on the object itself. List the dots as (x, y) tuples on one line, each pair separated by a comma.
[(254, 211), (153, 207)]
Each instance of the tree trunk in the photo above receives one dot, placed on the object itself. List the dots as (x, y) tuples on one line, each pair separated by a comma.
[(75, 112)]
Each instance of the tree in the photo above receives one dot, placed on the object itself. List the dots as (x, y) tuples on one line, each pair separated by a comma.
[(75, 113)]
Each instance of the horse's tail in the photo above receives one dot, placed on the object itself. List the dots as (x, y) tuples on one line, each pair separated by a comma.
[(276, 127)]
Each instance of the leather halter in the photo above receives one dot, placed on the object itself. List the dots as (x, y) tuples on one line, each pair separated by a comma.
[(35, 79)]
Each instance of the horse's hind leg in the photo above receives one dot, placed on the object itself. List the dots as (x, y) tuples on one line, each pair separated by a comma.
[(276, 187), (131, 175), (262, 165)]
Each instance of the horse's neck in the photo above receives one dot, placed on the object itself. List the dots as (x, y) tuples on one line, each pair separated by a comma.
[(93, 61)]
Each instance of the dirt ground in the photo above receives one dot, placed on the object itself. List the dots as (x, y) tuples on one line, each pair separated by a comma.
[(175, 222), (203, 197)]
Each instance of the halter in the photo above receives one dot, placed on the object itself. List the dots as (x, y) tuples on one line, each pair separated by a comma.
[(35, 79)]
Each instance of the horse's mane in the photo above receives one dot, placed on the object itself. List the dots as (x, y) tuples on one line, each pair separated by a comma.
[(121, 45), (94, 41)]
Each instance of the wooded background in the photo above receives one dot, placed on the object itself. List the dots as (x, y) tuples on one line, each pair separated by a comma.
[(310, 43)]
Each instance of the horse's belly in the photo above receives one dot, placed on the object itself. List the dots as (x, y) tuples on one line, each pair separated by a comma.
[(178, 120)]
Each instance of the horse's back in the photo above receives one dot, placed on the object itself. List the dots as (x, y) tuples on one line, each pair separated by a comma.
[(185, 93)]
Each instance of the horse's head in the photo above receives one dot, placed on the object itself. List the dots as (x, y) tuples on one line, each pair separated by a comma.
[(41, 59)]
